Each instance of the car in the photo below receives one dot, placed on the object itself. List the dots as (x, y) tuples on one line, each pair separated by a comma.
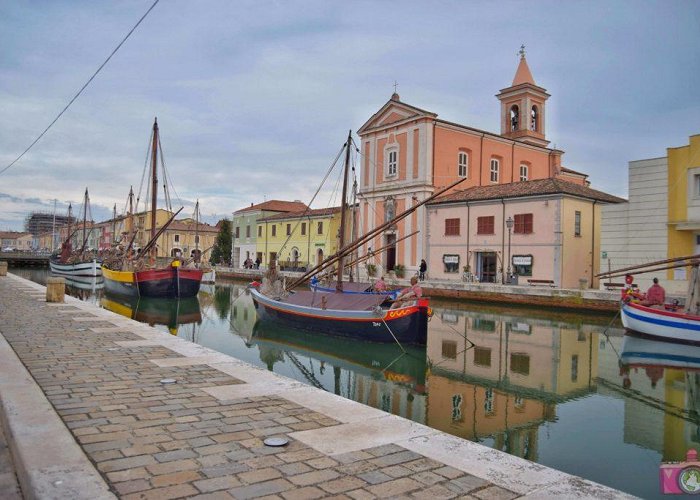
[(9, 249)]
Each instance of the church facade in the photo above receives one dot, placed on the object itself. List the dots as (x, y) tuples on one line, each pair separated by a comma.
[(408, 153)]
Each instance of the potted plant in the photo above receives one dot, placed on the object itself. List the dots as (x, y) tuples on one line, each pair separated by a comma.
[(371, 270), (399, 270)]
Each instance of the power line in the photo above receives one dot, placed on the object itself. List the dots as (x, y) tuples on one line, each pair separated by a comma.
[(81, 90)]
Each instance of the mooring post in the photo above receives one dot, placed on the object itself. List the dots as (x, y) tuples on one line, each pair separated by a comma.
[(55, 289), (3, 268)]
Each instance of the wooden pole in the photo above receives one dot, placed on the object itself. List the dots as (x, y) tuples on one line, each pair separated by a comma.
[(618, 272), (343, 210)]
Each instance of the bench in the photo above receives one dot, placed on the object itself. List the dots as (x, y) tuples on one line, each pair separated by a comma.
[(541, 282)]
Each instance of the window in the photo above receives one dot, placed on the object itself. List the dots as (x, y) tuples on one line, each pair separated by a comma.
[(238, 232), (574, 368), (520, 363), (259, 231), (177, 238), (451, 227), (449, 349), (488, 402), (289, 229), (451, 263), (514, 118), (196, 240), (482, 356), (303, 228), (457, 408), (523, 224), (495, 164), (247, 231), (485, 225), (577, 223), (274, 230), (696, 184), (523, 172), (392, 162), (463, 164), (319, 228), (484, 325)]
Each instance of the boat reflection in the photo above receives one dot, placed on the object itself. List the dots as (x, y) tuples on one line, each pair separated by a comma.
[(154, 311)]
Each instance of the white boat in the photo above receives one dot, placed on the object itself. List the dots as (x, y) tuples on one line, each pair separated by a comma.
[(661, 323), (90, 268), (209, 276), (642, 352)]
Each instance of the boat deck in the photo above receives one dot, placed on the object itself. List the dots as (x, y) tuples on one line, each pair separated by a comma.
[(340, 301)]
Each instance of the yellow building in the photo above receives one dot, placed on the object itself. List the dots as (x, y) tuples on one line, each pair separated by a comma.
[(683, 202), (186, 237), (298, 240)]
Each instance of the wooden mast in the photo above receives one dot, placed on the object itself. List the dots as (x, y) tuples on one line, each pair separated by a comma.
[(154, 178), (339, 284)]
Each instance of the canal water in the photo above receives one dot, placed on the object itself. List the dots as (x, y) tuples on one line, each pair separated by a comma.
[(567, 390)]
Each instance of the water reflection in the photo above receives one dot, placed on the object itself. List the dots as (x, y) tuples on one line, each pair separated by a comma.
[(173, 313), (567, 390)]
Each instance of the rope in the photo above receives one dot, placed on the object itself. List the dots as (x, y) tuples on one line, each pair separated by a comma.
[(392, 334)]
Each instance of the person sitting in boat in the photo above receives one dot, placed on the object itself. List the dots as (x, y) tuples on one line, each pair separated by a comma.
[(380, 285), (408, 294), (656, 295)]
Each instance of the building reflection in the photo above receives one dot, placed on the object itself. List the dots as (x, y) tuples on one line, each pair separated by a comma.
[(501, 376)]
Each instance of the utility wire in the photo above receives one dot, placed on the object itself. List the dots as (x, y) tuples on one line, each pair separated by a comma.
[(81, 90)]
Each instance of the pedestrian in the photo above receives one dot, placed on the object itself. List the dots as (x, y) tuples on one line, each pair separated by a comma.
[(422, 269), (257, 263), (407, 294), (380, 285), (656, 295)]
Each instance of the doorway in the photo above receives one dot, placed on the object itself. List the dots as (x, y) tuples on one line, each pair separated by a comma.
[(390, 243), (487, 263)]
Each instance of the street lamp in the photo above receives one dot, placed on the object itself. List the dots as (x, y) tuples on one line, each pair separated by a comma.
[(509, 225)]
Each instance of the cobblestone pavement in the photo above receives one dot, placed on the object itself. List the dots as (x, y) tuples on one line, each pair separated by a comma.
[(155, 440)]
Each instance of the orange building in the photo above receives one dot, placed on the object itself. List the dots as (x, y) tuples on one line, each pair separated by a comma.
[(408, 153)]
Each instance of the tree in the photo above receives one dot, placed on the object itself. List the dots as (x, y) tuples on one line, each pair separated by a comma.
[(221, 253)]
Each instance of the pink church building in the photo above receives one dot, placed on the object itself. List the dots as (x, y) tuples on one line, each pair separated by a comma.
[(409, 153)]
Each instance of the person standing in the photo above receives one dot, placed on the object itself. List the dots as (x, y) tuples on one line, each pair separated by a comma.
[(422, 269)]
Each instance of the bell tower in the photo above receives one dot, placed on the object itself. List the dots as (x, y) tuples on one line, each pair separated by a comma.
[(523, 107)]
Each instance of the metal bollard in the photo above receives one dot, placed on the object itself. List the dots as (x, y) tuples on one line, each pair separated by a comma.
[(3, 268), (55, 289)]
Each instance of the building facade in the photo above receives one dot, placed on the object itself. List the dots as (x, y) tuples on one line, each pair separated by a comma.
[(545, 229), (299, 240), (16, 240), (408, 153), (244, 227)]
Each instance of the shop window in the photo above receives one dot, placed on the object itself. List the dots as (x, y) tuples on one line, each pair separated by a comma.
[(451, 263)]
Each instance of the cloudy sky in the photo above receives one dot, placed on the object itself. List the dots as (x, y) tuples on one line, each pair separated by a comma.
[(254, 99)]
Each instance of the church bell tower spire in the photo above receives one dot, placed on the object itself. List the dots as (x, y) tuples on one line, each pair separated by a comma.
[(523, 107)]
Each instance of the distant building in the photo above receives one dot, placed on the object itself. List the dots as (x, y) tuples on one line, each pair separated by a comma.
[(409, 153), (298, 240), (245, 231), (553, 235), (22, 241)]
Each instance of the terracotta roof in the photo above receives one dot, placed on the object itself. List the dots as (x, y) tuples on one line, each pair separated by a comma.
[(522, 74), (12, 234), (527, 188), (571, 171), (190, 226), (319, 212), (276, 206)]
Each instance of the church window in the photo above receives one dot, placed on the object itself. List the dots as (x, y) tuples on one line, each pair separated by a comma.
[(463, 164), (514, 118), (523, 172), (392, 162), (495, 165), (534, 117)]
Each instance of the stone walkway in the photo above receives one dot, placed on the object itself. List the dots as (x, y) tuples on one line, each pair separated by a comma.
[(202, 436), (9, 488)]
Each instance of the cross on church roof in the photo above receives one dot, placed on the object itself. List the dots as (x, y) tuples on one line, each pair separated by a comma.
[(396, 84)]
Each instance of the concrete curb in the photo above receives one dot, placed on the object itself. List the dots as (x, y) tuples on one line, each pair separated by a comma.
[(48, 461)]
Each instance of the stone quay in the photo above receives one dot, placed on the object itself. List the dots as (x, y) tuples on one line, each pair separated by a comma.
[(95, 405)]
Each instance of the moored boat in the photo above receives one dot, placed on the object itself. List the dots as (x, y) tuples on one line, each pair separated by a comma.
[(356, 288), (645, 352), (659, 322), (89, 268)]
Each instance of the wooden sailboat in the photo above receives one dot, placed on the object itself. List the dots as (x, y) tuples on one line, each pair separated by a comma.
[(80, 262), (359, 316), (141, 275)]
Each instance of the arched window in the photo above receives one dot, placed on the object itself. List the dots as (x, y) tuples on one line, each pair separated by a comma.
[(495, 166), (534, 117), (463, 164), (514, 118), (523, 172)]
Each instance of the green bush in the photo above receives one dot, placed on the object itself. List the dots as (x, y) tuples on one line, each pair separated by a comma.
[(371, 270), (400, 270)]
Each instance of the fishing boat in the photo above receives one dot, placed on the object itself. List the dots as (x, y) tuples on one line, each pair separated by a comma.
[(142, 275), (168, 312), (350, 287), (81, 262), (362, 316)]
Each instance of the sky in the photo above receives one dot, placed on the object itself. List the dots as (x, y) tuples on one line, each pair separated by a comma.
[(254, 99)]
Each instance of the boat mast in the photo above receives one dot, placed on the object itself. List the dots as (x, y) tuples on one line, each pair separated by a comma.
[(85, 203), (70, 220), (339, 284), (114, 224), (154, 178), (53, 227), (196, 231)]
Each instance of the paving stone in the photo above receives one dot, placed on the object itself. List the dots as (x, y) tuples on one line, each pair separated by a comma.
[(182, 477), (132, 486), (174, 455), (466, 484), (258, 475), (179, 491), (294, 468), (374, 477), (176, 466), (217, 483), (446, 471), (343, 484), (261, 489), (125, 463), (314, 477), (397, 471), (225, 469), (308, 492), (395, 487), (435, 492), (494, 493)]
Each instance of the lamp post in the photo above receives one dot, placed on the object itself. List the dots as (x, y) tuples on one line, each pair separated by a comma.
[(509, 225)]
